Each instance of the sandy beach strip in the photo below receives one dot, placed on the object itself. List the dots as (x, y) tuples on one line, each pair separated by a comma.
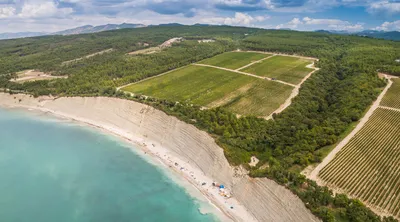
[(187, 152), (162, 157)]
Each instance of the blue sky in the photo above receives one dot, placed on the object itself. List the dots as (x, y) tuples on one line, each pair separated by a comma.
[(55, 15)]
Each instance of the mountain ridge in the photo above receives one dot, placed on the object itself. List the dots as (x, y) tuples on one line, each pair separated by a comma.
[(74, 31), (387, 35)]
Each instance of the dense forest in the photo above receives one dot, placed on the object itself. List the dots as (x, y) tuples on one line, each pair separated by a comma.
[(328, 103), (102, 73)]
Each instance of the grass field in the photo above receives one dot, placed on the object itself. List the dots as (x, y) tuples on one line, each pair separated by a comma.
[(392, 97), (211, 87), (262, 98), (234, 60), (368, 166), (285, 68), (193, 84), (239, 93)]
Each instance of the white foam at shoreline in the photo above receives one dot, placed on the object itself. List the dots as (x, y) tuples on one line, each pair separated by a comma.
[(193, 149)]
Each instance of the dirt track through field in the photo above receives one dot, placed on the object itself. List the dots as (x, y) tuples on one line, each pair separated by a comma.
[(314, 174), (245, 73), (152, 77), (283, 54), (282, 107), (390, 108), (255, 62), (294, 93)]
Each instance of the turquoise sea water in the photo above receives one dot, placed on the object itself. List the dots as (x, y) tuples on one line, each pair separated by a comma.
[(61, 172)]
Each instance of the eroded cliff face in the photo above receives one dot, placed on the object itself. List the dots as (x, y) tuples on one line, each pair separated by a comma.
[(264, 199)]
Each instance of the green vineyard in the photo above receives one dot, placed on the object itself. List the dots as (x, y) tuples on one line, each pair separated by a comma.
[(392, 97), (368, 166)]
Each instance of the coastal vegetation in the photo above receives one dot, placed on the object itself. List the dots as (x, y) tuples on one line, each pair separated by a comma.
[(328, 103), (99, 75)]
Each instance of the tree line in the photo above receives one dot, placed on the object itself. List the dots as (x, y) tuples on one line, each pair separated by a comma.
[(327, 104)]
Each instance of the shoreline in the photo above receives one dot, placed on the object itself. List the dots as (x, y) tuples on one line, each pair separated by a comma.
[(161, 157), (199, 159)]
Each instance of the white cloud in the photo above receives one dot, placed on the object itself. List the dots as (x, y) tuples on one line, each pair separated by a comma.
[(7, 12), (238, 19), (261, 18), (42, 10), (384, 8), (308, 23), (389, 26), (72, 1), (246, 5), (293, 24), (311, 21)]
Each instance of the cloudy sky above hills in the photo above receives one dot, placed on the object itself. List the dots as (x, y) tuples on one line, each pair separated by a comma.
[(55, 15)]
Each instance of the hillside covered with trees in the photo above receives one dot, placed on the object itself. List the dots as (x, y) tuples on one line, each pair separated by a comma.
[(328, 103)]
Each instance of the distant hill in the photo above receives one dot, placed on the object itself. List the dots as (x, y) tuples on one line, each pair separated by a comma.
[(16, 35), (100, 28), (78, 30), (393, 35), (199, 24), (167, 24)]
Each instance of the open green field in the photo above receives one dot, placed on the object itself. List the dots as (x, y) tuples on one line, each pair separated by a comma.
[(392, 97), (264, 97), (368, 166), (285, 68), (211, 87), (234, 60), (193, 84)]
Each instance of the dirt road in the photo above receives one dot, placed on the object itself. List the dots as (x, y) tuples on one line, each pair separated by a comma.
[(390, 108), (314, 174), (283, 54), (255, 62), (294, 93), (245, 73), (88, 56), (120, 87)]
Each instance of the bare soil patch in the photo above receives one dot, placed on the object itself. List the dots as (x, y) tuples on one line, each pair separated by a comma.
[(156, 49), (33, 75)]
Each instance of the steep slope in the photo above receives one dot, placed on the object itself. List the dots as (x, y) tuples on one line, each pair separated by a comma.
[(265, 199)]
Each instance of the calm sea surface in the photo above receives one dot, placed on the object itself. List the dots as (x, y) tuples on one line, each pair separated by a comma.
[(53, 171)]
